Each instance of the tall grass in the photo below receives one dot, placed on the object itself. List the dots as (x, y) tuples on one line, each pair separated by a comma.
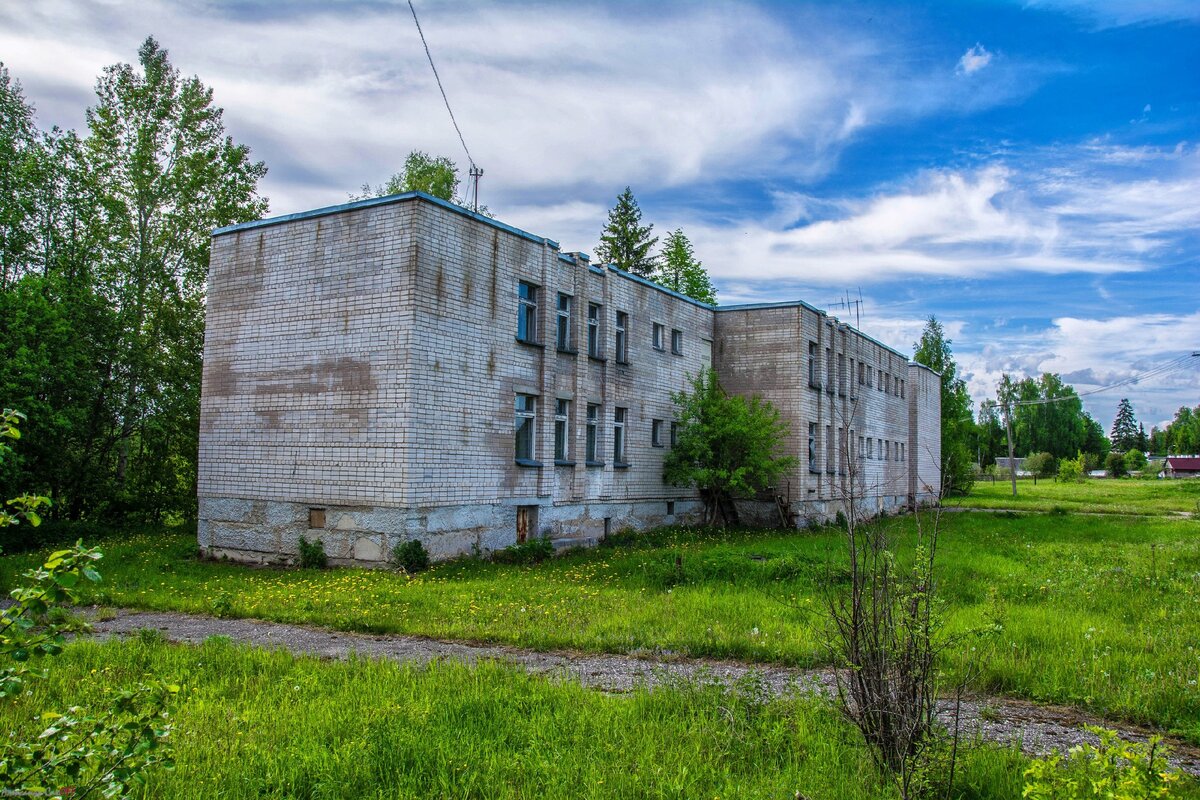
[(261, 723), (1099, 612), (1096, 495)]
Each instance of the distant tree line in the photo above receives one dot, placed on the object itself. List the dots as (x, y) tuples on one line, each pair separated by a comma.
[(104, 239), (1181, 436)]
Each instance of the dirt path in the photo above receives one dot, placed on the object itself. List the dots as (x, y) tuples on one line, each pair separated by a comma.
[(1039, 729)]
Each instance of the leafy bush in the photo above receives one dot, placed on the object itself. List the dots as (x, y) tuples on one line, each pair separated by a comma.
[(533, 551), (411, 556), (312, 554), (1072, 470), (1135, 461), (1040, 464), (1114, 465), (1114, 769)]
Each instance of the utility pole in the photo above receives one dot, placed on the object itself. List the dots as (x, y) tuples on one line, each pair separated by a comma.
[(1012, 462)]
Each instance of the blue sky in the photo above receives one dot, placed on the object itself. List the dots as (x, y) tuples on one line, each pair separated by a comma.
[(1027, 171)]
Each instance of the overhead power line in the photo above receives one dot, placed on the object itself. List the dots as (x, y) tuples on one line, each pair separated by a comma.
[(474, 172), (1174, 365)]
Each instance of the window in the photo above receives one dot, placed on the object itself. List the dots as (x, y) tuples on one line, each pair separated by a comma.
[(887, 451), (853, 393), (562, 429), (814, 371), (843, 450), (593, 330), (870, 447), (656, 433), (593, 420), (677, 342), (658, 337), (862, 454), (619, 435), (526, 410), (670, 508), (621, 339), (862, 381), (812, 448), (526, 312), (902, 388), (674, 433), (829, 370), (841, 369), (830, 453), (879, 385), (563, 333)]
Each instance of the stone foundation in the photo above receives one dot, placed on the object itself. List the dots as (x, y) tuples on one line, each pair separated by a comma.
[(268, 532)]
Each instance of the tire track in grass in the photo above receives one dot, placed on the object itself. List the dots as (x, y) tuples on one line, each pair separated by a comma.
[(1036, 728)]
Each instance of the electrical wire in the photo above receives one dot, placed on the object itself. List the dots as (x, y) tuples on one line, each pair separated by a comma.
[(1174, 365), (438, 78)]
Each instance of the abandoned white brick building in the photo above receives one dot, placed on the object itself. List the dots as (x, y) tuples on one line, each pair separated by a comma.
[(401, 368)]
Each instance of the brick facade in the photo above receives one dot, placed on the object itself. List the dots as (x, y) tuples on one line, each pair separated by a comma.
[(364, 366)]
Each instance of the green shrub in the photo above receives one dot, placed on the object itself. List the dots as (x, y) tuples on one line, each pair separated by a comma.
[(411, 556), (1135, 461), (1071, 470), (1040, 464), (1114, 465), (533, 551), (1113, 769), (312, 554)]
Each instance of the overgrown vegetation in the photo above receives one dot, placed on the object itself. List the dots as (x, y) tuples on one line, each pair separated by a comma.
[(532, 551), (1115, 768), (410, 556), (312, 554), (1098, 612), (264, 723), (728, 447)]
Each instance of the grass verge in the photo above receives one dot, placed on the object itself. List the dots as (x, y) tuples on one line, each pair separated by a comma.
[(261, 723), (1096, 612), (1095, 495)]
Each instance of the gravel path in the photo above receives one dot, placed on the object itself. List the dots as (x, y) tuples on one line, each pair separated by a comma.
[(1039, 729)]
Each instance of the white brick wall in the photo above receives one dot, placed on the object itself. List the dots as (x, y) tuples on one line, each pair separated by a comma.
[(366, 359)]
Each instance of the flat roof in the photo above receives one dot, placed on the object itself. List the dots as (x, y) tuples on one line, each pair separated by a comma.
[(371, 202), (383, 201)]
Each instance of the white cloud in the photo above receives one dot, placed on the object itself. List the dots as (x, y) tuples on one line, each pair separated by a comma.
[(555, 101), (975, 59), (1092, 353)]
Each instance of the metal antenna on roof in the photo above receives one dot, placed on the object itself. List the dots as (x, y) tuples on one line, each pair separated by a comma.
[(849, 304), (475, 172)]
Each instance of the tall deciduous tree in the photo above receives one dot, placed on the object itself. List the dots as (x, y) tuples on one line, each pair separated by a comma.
[(958, 428), (680, 271), (1124, 434), (101, 332), (168, 176), (726, 446), (435, 175), (625, 242)]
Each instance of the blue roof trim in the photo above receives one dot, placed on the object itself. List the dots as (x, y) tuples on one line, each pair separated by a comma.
[(663, 289), (814, 309), (382, 201)]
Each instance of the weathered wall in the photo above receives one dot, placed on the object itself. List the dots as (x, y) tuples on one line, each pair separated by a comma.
[(362, 364)]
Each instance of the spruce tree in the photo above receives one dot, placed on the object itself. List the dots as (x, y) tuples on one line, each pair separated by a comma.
[(680, 272), (625, 243), (1124, 428)]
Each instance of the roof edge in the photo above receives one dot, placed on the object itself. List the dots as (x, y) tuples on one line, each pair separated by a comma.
[(371, 202)]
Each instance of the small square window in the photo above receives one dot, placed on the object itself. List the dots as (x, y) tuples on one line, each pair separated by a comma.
[(677, 342), (670, 508), (674, 433)]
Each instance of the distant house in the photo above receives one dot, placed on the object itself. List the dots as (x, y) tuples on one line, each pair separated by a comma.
[(1182, 467), (1007, 464)]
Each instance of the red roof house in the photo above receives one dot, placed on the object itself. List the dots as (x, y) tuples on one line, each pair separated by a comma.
[(1182, 467)]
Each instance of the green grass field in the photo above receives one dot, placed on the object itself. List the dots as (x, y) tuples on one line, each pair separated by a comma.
[(257, 723), (1097, 612), (1098, 495)]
